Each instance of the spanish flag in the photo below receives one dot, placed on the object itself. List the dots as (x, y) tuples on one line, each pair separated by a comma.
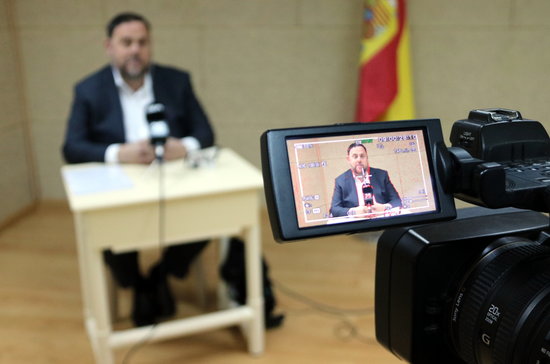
[(385, 85)]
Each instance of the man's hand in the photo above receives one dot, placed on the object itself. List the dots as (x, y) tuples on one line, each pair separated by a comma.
[(356, 211), (363, 211), (380, 207), (174, 149), (141, 152)]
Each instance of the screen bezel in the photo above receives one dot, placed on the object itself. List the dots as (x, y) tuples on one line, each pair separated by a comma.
[(279, 190)]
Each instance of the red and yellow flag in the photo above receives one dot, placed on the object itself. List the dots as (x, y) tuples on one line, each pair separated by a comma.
[(385, 85)]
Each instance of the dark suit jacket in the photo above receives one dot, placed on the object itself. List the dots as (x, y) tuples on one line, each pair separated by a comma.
[(96, 118), (345, 192)]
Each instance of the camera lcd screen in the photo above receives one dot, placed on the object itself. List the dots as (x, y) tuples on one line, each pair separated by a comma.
[(353, 177), (328, 181)]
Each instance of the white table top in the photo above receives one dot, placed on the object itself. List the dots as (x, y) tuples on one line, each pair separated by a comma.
[(136, 184)]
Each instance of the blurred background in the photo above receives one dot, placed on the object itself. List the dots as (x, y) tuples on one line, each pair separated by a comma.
[(258, 65)]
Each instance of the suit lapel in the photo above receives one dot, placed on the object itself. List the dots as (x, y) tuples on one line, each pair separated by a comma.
[(164, 94), (113, 103), (159, 89), (350, 182)]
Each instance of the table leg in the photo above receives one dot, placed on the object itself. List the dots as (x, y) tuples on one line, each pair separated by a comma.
[(99, 305), (94, 291), (254, 287)]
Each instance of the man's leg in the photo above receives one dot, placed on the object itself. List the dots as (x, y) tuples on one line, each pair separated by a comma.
[(233, 273), (176, 260), (124, 267), (126, 272)]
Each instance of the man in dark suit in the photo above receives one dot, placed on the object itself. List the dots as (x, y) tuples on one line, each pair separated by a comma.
[(107, 123), (363, 191)]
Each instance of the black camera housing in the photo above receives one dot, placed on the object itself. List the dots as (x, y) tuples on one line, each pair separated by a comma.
[(419, 271), (499, 160), (424, 273)]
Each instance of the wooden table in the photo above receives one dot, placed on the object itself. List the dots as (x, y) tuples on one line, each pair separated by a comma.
[(121, 212)]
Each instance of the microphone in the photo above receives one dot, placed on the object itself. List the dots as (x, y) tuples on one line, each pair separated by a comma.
[(368, 191), (158, 127)]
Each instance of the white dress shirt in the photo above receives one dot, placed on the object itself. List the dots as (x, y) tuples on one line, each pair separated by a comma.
[(135, 123)]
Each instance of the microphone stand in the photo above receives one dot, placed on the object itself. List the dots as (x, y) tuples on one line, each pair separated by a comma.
[(159, 152), (366, 182), (159, 158)]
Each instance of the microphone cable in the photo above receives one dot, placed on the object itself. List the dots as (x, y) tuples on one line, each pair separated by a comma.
[(345, 329), (160, 236)]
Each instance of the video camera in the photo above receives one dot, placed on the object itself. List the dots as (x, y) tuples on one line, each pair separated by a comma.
[(472, 288)]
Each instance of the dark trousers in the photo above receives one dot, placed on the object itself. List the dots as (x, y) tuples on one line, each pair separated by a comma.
[(176, 260)]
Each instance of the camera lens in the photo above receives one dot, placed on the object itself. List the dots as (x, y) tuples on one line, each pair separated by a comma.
[(501, 312)]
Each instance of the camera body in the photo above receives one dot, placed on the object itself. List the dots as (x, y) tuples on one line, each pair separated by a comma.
[(420, 273), (475, 289)]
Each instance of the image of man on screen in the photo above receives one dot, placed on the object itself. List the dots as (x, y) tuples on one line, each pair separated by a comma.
[(363, 191)]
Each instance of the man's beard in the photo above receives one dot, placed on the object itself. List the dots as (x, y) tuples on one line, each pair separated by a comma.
[(133, 76), (358, 169)]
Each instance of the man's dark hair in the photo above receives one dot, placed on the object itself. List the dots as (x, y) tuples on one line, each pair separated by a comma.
[(356, 144), (124, 18)]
